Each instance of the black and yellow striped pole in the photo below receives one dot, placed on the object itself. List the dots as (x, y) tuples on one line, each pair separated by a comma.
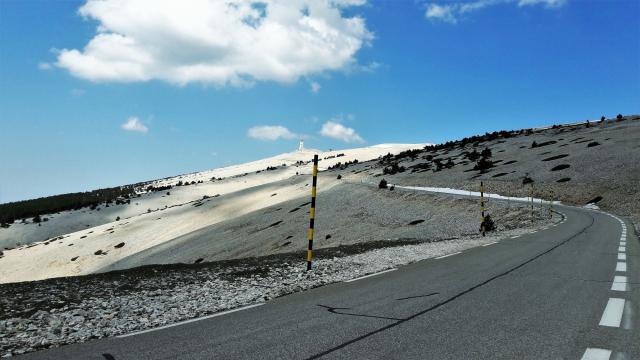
[(312, 211), (482, 207)]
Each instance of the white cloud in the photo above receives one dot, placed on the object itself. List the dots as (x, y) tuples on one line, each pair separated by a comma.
[(315, 87), (134, 124), (546, 3), (270, 133), (441, 12), (44, 66), (451, 13), (340, 132), (219, 42)]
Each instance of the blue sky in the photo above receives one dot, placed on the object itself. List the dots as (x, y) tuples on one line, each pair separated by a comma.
[(366, 73)]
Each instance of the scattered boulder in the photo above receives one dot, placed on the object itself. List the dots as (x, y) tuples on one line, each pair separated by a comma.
[(595, 200), (275, 224), (556, 157)]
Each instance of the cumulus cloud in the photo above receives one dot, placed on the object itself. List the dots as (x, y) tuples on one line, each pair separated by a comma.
[(340, 132), (315, 87), (451, 13), (134, 124), (270, 133), (219, 42)]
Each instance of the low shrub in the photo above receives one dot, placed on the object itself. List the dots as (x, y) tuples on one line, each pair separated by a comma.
[(483, 164), (393, 169), (488, 224), (382, 184)]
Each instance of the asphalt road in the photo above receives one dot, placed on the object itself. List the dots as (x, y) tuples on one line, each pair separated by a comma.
[(547, 295)]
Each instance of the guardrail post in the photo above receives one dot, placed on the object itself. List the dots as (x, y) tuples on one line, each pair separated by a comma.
[(531, 197), (312, 211)]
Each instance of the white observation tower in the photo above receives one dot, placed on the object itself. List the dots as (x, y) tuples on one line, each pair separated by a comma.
[(301, 146)]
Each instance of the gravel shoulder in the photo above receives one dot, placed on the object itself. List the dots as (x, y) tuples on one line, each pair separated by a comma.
[(54, 312)]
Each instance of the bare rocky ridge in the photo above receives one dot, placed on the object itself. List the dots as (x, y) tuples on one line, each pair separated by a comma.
[(607, 174)]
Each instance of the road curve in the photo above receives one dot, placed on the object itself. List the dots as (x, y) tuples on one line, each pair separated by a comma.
[(567, 292)]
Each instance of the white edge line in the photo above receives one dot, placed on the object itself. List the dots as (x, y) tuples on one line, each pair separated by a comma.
[(491, 243), (370, 275), (612, 315), (191, 320), (444, 256), (621, 266), (596, 354), (618, 286)]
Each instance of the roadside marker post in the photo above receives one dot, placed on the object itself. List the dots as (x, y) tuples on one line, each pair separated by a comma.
[(551, 206), (312, 211), (531, 197), (482, 206)]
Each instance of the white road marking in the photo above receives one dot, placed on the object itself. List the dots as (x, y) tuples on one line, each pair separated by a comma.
[(621, 266), (622, 256), (612, 315), (442, 257), (596, 354), (623, 243), (622, 249), (191, 320), (619, 283), (370, 275), (491, 243)]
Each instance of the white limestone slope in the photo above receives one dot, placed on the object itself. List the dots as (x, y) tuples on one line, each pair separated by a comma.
[(155, 218)]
